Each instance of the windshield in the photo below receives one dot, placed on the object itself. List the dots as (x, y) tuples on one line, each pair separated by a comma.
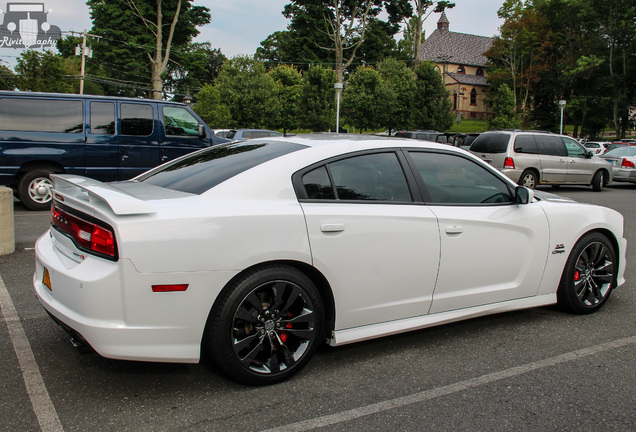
[(203, 170)]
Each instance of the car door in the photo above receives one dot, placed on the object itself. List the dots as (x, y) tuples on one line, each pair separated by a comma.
[(137, 140), (102, 153), (376, 247), (492, 250), (581, 168), (554, 160)]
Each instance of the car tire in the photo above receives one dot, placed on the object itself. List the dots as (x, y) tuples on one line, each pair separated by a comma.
[(34, 189), (598, 181), (266, 326), (529, 179), (589, 275)]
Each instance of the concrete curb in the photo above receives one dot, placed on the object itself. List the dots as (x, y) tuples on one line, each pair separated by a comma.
[(7, 228)]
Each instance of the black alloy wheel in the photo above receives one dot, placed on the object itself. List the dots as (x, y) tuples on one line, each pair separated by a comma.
[(267, 326), (589, 275)]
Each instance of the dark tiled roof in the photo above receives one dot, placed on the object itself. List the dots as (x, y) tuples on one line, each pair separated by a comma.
[(468, 79), (459, 48)]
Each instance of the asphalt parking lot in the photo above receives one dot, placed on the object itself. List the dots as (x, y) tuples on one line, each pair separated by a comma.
[(533, 370)]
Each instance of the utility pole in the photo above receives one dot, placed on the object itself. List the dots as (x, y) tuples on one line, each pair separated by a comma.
[(81, 89)]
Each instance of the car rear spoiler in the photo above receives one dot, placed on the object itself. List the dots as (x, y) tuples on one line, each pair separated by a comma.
[(91, 191)]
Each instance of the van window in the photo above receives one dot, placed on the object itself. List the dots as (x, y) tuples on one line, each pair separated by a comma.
[(525, 144), (574, 149), (179, 122), (491, 143), (550, 145), (102, 118), (41, 115), (136, 119)]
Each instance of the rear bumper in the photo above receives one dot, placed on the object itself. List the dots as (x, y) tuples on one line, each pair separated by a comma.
[(111, 306)]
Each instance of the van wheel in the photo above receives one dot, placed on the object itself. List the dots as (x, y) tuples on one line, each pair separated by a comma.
[(598, 181), (34, 189), (528, 179)]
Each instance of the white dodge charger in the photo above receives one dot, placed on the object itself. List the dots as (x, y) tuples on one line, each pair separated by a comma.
[(257, 252)]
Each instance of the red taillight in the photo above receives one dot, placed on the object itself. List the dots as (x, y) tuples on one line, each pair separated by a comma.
[(627, 164), (509, 163), (87, 235)]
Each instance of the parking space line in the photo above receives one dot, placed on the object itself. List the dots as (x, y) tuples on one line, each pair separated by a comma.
[(399, 402), (40, 400)]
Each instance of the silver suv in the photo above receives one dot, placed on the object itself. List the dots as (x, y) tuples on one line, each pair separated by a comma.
[(531, 158)]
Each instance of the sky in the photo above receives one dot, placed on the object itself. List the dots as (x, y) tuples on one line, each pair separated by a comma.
[(239, 26)]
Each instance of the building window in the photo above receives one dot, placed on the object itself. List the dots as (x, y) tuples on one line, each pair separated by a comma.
[(473, 97), (461, 70), (480, 71)]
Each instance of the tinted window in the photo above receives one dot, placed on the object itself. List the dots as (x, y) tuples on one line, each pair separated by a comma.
[(203, 170), (318, 185), (550, 145), (370, 177), (573, 148), (41, 115), (179, 122), (490, 143), (525, 144), (451, 179), (136, 119), (103, 118)]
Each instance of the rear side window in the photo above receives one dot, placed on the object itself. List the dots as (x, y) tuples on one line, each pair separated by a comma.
[(371, 177), (41, 115), (550, 145), (203, 170), (136, 119), (525, 144), (103, 118), (491, 143)]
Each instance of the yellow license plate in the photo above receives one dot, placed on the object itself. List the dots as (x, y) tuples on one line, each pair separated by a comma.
[(46, 279)]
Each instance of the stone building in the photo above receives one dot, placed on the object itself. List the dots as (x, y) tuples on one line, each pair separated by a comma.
[(460, 59)]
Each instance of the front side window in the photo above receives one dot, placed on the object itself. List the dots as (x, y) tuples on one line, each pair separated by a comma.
[(573, 148), (136, 119), (371, 177), (179, 122), (103, 118), (41, 115), (451, 179)]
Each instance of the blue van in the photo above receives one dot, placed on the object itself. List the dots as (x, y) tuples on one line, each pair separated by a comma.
[(105, 138)]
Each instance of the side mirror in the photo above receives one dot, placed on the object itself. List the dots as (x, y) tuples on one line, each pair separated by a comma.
[(523, 195), (589, 155), (201, 131)]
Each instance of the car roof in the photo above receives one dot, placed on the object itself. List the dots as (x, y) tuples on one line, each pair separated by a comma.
[(25, 94)]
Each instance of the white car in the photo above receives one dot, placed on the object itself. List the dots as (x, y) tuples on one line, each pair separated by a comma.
[(259, 251), (596, 147)]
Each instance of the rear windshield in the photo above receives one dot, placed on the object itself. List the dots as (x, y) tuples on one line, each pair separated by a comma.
[(202, 171), (490, 143)]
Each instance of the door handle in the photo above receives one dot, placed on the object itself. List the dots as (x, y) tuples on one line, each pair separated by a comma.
[(455, 229), (332, 228)]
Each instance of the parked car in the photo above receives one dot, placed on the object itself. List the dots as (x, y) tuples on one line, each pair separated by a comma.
[(256, 252), (427, 135), (596, 147), (531, 158), (223, 133), (105, 138), (243, 134), (622, 159), (464, 141)]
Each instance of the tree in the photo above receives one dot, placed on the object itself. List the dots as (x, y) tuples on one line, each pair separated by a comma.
[(7, 77), (43, 72), (432, 106), (316, 99), (505, 114), (249, 93), (192, 67), (138, 38), (362, 103), (211, 108), (397, 93), (288, 82)]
